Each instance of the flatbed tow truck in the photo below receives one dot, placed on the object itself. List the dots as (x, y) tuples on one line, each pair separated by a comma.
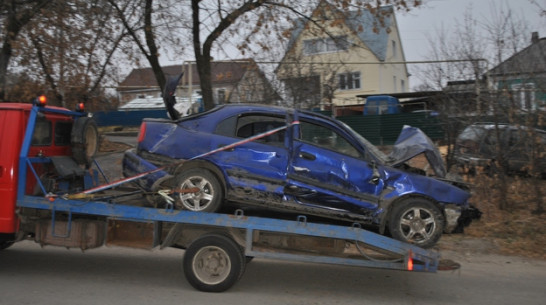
[(47, 203)]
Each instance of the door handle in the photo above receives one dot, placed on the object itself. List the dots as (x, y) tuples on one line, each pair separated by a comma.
[(307, 156)]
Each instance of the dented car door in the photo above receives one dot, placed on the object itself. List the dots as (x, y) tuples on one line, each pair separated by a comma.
[(328, 171)]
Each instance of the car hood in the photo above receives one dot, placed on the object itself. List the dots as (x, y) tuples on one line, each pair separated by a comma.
[(412, 142)]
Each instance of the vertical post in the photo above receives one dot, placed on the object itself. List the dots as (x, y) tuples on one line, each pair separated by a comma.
[(190, 82), (23, 154)]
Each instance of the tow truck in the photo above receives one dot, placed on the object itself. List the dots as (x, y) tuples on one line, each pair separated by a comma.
[(47, 168)]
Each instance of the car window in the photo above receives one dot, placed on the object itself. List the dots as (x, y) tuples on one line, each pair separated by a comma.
[(472, 133), (252, 125), (42, 133), (63, 131), (491, 138), (325, 137)]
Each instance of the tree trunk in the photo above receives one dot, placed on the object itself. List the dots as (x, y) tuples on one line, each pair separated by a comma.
[(150, 42)]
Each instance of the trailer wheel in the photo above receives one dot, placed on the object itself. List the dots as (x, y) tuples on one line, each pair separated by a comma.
[(85, 140), (213, 263), (416, 221), (210, 195)]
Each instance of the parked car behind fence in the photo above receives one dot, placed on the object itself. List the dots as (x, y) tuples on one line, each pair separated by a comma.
[(517, 149)]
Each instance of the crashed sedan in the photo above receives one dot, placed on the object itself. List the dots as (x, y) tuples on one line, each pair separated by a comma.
[(295, 161)]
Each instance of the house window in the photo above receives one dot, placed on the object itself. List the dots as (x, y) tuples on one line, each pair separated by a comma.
[(524, 94), (325, 45), (394, 84), (402, 85), (393, 43), (350, 80)]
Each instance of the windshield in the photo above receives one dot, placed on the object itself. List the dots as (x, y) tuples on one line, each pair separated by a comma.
[(472, 133)]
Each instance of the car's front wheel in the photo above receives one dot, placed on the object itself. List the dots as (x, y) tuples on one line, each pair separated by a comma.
[(416, 221), (209, 196)]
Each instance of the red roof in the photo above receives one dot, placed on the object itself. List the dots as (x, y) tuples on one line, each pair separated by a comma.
[(222, 72)]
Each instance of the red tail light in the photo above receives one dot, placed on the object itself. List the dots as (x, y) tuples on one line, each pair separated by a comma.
[(142, 132), (410, 264)]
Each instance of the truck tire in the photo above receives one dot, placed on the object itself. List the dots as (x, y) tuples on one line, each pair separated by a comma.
[(210, 195), (85, 140), (213, 263), (417, 221)]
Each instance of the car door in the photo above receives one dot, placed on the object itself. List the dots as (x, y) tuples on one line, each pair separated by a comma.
[(327, 170), (255, 170)]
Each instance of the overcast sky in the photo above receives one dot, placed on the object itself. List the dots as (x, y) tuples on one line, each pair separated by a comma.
[(418, 24)]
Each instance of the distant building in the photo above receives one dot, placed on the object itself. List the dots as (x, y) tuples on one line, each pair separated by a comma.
[(523, 76), (237, 81), (359, 53)]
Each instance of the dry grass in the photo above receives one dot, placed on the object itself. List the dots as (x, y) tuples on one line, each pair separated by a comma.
[(516, 230)]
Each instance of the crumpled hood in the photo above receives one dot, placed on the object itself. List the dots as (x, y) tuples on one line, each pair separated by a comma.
[(412, 142)]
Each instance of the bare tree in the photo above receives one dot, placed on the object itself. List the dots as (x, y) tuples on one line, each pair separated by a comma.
[(254, 21), (15, 15), (70, 47)]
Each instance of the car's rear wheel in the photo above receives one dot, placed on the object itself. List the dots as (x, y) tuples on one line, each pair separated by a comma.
[(417, 221), (210, 195)]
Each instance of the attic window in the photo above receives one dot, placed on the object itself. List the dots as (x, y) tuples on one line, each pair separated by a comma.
[(325, 45)]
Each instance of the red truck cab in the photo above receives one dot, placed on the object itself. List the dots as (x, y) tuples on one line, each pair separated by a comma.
[(54, 135)]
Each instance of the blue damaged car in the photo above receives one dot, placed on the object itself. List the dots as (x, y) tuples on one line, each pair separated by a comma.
[(295, 161)]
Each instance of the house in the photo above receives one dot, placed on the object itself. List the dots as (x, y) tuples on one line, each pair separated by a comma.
[(337, 56), (235, 81), (522, 77)]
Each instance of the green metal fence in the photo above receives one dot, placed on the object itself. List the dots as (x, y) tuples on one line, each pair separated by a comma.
[(384, 129)]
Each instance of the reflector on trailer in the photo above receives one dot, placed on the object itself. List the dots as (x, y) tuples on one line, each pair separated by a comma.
[(410, 264)]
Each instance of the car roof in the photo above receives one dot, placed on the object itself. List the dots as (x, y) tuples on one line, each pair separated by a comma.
[(25, 106), (489, 126)]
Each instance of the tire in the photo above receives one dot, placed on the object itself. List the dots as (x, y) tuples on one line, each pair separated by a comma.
[(416, 221), (213, 263), (210, 195), (85, 140)]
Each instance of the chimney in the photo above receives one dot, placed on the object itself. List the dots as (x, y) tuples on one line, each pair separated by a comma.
[(534, 37)]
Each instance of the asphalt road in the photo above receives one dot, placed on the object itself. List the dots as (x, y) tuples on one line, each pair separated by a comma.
[(33, 275)]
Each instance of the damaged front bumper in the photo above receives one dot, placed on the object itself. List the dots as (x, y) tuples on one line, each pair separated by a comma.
[(458, 218)]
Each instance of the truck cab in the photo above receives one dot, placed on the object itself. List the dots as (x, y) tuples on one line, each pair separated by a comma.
[(382, 104), (62, 144)]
